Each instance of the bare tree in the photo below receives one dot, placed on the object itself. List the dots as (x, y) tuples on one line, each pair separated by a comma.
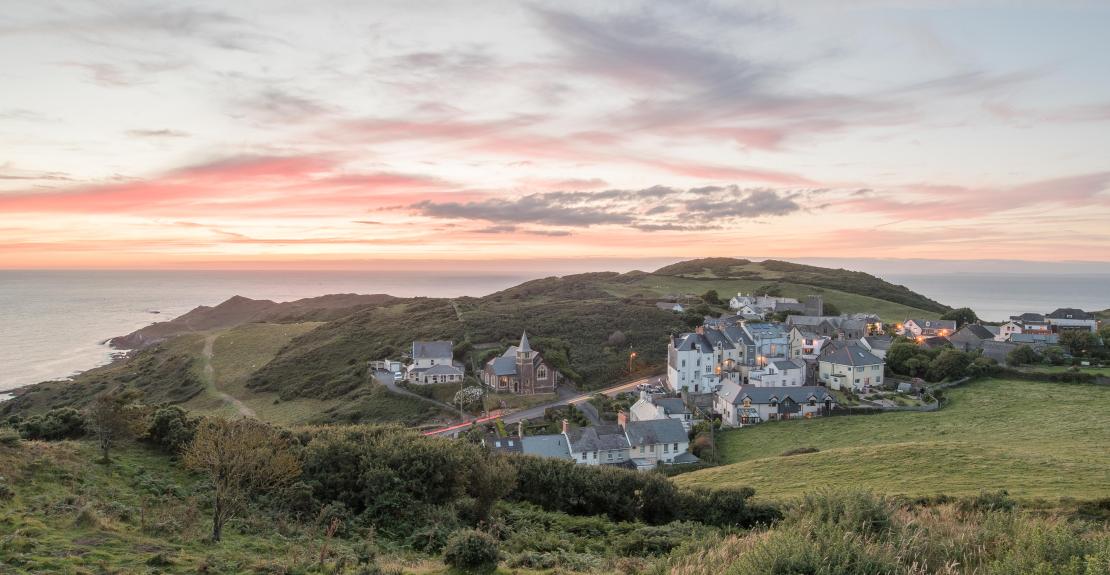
[(240, 457), (113, 416)]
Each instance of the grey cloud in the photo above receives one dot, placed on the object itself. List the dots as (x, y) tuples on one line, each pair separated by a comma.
[(658, 208), (162, 133)]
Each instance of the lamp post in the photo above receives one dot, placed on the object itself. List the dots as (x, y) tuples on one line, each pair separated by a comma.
[(631, 358)]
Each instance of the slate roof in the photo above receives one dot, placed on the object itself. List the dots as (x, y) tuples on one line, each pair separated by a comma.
[(1070, 313), (935, 341), (851, 354), (737, 334), (998, 350), (949, 324), (973, 330), (671, 405), (524, 346), (684, 458), (554, 445), (655, 431), (736, 394), (431, 349), (503, 444), (599, 438), (878, 341), (1045, 338), (441, 369), (787, 364), (505, 364)]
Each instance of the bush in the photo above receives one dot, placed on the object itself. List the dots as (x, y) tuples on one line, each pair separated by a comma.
[(987, 501), (54, 425), (471, 550), (799, 451), (853, 510), (6, 492), (171, 429), (9, 437)]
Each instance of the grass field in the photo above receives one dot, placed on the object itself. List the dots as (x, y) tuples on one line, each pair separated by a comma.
[(1034, 439), (659, 286), (1102, 371)]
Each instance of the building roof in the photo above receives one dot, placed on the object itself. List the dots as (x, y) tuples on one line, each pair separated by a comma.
[(431, 349), (554, 445), (973, 330), (880, 342), (671, 405), (684, 458), (1070, 313), (788, 364), (850, 354), (654, 431), (935, 341), (598, 438), (511, 444), (441, 369), (1045, 338), (736, 394), (949, 324), (524, 346), (504, 364)]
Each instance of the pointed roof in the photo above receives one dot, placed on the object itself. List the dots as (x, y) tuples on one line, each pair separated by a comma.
[(524, 347)]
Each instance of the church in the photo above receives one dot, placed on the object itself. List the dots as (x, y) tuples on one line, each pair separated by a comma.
[(521, 370)]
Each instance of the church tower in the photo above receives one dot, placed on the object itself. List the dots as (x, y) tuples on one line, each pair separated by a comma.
[(525, 369)]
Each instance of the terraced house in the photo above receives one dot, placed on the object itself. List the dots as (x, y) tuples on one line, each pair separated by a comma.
[(741, 405)]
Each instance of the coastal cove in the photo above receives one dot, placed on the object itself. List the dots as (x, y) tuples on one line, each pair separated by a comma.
[(56, 323)]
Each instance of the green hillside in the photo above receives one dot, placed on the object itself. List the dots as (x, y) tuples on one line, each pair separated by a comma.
[(1033, 439)]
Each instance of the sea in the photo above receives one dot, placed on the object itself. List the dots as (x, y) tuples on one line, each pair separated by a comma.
[(53, 324)]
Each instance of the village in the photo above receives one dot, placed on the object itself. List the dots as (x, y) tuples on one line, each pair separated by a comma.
[(770, 358)]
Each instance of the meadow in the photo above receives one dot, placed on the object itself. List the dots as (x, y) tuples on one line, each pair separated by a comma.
[(1034, 439)]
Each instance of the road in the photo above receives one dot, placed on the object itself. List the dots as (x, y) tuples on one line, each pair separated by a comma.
[(387, 381), (537, 411)]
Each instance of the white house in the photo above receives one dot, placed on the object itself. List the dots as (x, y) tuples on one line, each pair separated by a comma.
[(648, 408), (878, 345), (805, 344), (780, 373), (849, 366), (433, 362), (741, 405), (1067, 318), (1008, 329), (640, 444)]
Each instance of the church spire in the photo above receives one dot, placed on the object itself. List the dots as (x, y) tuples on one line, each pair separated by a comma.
[(524, 347)]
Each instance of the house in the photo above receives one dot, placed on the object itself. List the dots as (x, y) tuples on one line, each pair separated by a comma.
[(698, 361), (1038, 341), (762, 305), (771, 340), (1068, 318), (849, 366), (842, 327), (433, 362), (806, 344), (878, 345), (1024, 323), (553, 446), (741, 405), (917, 328), (648, 408), (670, 306), (970, 337), (655, 441), (780, 373), (639, 444), (997, 350), (521, 370)]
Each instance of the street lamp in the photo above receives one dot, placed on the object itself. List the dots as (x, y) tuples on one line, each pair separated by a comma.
[(631, 357)]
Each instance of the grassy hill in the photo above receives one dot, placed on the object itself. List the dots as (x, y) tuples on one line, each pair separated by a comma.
[(1034, 439), (306, 361)]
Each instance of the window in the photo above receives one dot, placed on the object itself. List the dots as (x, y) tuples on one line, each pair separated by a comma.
[(641, 450), (676, 448), (651, 448), (609, 455), (583, 457), (666, 448), (541, 373), (510, 443)]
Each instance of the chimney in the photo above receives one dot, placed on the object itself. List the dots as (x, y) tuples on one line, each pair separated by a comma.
[(566, 426), (622, 419), (520, 429), (700, 330), (645, 396)]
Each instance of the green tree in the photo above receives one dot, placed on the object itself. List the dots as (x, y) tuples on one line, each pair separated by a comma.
[(1022, 355), (239, 457), (830, 309), (710, 297), (1078, 342), (949, 364), (114, 416), (491, 478), (1054, 355), (962, 315)]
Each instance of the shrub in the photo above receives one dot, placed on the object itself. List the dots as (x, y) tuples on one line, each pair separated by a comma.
[(6, 492), (987, 501), (799, 451), (9, 437), (471, 550), (171, 429), (852, 510), (54, 425)]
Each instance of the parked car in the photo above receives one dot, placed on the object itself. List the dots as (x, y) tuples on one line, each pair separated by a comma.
[(398, 376)]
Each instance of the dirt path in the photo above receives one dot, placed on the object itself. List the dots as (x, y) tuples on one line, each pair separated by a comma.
[(210, 380)]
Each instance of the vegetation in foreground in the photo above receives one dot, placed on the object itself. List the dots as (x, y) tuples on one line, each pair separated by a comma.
[(1035, 439)]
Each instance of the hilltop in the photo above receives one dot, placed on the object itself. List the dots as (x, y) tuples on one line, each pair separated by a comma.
[(306, 361)]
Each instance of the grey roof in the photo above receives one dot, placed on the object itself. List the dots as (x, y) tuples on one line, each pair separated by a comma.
[(431, 349), (994, 329), (524, 342), (736, 394), (878, 341), (692, 341), (851, 354), (1070, 313), (671, 405), (787, 364), (509, 444), (654, 431), (736, 334), (504, 364), (808, 334), (973, 330), (554, 445), (599, 437), (684, 458), (1045, 338), (935, 341), (997, 350), (767, 330)]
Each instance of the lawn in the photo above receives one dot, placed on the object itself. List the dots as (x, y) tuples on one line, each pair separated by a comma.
[(660, 286), (1034, 439)]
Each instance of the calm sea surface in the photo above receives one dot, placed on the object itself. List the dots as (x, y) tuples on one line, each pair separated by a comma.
[(53, 323)]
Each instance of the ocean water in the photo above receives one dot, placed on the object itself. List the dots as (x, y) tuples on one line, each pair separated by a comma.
[(53, 323)]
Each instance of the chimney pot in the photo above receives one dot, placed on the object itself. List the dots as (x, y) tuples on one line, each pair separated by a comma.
[(622, 419), (566, 426)]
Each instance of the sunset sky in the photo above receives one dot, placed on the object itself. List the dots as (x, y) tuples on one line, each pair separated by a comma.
[(271, 134)]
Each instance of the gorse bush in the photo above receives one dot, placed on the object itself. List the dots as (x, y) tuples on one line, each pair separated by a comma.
[(471, 550), (54, 425), (171, 429)]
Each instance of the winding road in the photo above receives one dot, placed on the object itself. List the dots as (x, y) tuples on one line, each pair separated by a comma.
[(210, 380)]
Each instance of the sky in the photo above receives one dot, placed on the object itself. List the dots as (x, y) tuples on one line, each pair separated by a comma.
[(280, 134)]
